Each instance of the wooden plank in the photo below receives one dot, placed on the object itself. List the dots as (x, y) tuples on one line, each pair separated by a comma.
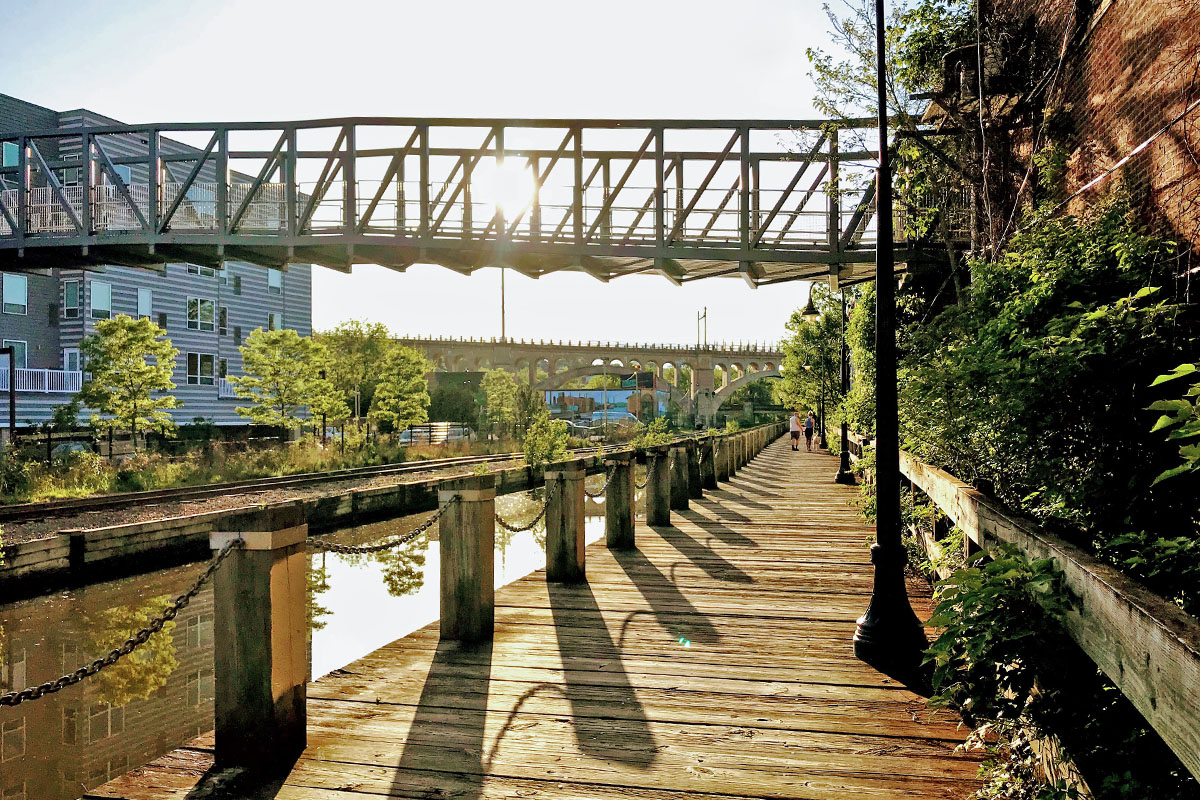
[(1146, 645)]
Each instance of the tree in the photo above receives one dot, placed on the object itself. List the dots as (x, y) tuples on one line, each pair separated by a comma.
[(401, 391), (529, 402), (500, 391), (282, 377), (545, 440), (609, 381), (130, 364), (811, 367), (357, 351)]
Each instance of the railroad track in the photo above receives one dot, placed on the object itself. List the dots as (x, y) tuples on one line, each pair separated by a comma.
[(58, 508)]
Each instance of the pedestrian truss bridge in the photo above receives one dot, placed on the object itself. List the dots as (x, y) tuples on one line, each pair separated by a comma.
[(685, 199)]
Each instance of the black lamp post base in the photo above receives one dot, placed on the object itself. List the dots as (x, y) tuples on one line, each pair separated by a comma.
[(889, 636), (845, 477)]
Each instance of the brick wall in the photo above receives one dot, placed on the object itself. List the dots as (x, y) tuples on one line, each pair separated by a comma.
[(1130, 67)]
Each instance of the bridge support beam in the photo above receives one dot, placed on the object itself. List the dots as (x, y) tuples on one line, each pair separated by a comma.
[(467, 543), (565, 548), (695, 487), (679, 477), (260, 640), (619, 503), (658, 486)]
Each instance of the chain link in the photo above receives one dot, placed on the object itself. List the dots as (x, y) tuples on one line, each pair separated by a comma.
[(510, 527), (132, 643), (349, 549), (600, 493)]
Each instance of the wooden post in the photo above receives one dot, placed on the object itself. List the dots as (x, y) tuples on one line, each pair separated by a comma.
[(729, 449), (679, 477), (466, 542), (708, 464), (260, 638), (694, 485), (564, 522), (658, 486), (619, 503)]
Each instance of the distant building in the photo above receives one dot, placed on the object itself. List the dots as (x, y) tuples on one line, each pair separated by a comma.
[(206, 312)]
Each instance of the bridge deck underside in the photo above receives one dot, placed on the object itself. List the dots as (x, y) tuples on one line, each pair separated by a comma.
[(714, 661)]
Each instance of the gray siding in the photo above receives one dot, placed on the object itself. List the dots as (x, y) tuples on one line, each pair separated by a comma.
[(247, 309)]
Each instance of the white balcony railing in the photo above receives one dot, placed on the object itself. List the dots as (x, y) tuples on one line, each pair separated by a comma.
[(225, 389), (46, 381)]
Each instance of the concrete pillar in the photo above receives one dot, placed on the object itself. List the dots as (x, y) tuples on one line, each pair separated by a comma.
[(658, 486), (260, 639), (467, 542), (679, 477), (619, 503), (565, 548), (694, 485), (708, 467)]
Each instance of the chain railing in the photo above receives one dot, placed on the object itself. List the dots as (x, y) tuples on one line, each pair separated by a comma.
[(600, 492), (513, 528), (132, 643), (348, 549)]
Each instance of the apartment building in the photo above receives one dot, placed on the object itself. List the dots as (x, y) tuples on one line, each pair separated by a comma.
[(206, 312)]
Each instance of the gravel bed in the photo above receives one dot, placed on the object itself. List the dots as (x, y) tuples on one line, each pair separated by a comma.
[(15, 532)]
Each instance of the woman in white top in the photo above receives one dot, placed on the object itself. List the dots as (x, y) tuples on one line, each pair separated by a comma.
[(795, 428)]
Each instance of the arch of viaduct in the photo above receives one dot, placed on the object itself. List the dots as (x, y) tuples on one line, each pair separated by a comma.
[(739, 363)]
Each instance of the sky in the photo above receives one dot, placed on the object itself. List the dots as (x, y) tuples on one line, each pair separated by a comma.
[(242, 60)]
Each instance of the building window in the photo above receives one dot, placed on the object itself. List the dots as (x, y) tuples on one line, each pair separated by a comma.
[(12, 739), (195, 269), (200, 628), (201, 314), (237, 335), (71, 359), (274, 281), (70, 299), (222, 368), (200, 687), (145, 303), (101, 300), (70, 726), (104, 721), (20, 353), (223, 321), (274, 321), (16, 293), (200, 369), (10, 154), (237, 284)]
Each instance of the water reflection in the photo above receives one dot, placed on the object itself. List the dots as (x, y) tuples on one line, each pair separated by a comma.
[(161, 696)]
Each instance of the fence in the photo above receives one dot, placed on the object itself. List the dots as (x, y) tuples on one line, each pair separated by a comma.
[(46, 381)]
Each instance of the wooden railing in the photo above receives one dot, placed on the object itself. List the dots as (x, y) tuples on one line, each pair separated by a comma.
[(1146, 645)]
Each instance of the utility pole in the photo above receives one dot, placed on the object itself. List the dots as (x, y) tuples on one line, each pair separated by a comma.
[(503, 333), (889, 636)]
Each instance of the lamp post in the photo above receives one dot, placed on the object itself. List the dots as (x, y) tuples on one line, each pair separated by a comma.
[(889, 636), (844, 475)]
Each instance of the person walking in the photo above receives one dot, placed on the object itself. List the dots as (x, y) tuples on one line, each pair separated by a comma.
[(795, 426), (810, 426)]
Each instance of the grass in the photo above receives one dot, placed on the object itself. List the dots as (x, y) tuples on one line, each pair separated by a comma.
[(85, 474)]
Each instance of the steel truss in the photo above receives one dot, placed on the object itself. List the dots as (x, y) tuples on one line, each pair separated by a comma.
[(683, 198)]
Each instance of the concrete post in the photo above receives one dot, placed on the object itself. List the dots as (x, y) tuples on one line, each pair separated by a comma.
[(619, 503), (565, 548), (260, 640), (708, 465), (466, 542), (694, 485), (679, 477), (658, 486)]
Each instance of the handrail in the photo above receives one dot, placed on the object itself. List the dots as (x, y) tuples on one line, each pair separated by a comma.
[(1147, 646)]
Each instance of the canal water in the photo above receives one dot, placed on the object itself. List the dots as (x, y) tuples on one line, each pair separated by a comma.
[(161, 696)]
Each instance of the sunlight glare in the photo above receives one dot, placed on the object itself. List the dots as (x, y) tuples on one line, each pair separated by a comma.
[(508, 186)]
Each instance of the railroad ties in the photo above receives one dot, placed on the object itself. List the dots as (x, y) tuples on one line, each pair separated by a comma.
[(712, 660)]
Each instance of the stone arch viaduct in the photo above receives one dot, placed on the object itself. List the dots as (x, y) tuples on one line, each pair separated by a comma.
[(738, 363)]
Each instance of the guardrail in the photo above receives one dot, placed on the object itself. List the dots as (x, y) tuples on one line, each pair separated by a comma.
[(1146, 645)]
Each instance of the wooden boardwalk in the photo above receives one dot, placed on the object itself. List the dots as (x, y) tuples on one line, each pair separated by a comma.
[(713, 661)]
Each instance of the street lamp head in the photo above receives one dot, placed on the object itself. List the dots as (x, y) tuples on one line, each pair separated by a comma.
[(810, 313)]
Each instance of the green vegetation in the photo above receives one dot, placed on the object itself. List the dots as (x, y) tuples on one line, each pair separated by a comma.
[(129, 363), (812, 377), (452, 404), (500, 404), (143, 671), (283, 377), (401, 395), (656, 433), (357, 352), (546, 439), (1182, 420)]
